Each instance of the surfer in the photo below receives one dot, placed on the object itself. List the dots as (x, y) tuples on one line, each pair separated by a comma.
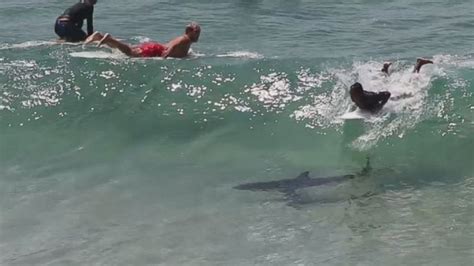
[(69, 25), (368, 100), (178, 47), (419, 63), (374, 101)]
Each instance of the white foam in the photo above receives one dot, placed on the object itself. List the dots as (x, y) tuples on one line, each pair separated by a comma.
[(242, 54), (407, 106), (408, 101), (193, 54), (273, 91), (326, 106), (109, 74), (142, 39), (30, 44), (454, 60)]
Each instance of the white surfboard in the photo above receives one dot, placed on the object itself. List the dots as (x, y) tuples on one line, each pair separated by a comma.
[(357, 114), (98, 54), (109, 55)]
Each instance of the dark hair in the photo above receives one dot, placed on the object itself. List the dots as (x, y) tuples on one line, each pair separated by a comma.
[(92, 2), (356, 87)]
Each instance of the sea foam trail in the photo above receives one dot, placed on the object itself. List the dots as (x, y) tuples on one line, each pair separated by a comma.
[(242, 54), (33, 44)]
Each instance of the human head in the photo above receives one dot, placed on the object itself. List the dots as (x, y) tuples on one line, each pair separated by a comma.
[(91, 2), (356, 92), (193, 30), (356, 89)]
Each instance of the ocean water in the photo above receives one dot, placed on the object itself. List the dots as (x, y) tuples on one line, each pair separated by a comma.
[(107, 160)]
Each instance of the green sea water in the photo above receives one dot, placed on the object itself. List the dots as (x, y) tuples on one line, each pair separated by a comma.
[(117, 161)]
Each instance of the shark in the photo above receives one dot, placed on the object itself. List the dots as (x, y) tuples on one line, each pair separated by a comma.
[(303, 180), (289, 186)]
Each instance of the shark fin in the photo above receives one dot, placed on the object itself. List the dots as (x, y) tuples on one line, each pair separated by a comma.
[(304, 175), (367, 169)]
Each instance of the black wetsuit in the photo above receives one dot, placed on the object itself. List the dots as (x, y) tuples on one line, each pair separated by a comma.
[(69, 25), (373, 101), (367, 100)]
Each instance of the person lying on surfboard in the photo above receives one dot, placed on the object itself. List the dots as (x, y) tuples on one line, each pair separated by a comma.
[(178, 47), (374, 101)]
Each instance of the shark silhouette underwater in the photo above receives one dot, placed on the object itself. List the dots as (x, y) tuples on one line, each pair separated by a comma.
[(290, 186)]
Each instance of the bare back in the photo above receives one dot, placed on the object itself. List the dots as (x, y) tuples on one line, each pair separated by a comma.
[(178, 47)]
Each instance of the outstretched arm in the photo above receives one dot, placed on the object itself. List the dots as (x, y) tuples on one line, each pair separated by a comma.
[(419, 63)]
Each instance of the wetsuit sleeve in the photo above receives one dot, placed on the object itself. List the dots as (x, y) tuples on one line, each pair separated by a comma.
[(90, 26), (372, 101), (384, 96)]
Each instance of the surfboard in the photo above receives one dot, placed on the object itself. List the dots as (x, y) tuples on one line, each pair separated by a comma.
[(109, 55), (97, 54), (357, 114), (192, 55)]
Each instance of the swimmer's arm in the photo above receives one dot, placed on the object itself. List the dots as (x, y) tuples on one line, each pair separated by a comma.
[(172, 46), (167, 52)]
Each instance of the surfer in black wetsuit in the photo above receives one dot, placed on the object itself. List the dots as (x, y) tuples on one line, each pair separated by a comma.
[(69, 25), (367, 100), (374, 101)]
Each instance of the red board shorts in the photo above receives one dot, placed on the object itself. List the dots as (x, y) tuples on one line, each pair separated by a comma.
[(151, 49)]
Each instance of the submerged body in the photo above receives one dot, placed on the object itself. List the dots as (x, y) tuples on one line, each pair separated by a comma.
[(303, 180), (290, 185)]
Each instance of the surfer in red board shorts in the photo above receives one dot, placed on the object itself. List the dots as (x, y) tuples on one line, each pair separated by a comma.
[(178, 47)]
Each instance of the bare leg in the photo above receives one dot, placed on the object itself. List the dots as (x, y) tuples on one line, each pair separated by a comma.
[(114, 43), (385, 67), (94, 37), (419, 63)]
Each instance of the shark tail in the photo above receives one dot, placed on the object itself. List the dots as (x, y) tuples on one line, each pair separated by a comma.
[(367, 169)]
